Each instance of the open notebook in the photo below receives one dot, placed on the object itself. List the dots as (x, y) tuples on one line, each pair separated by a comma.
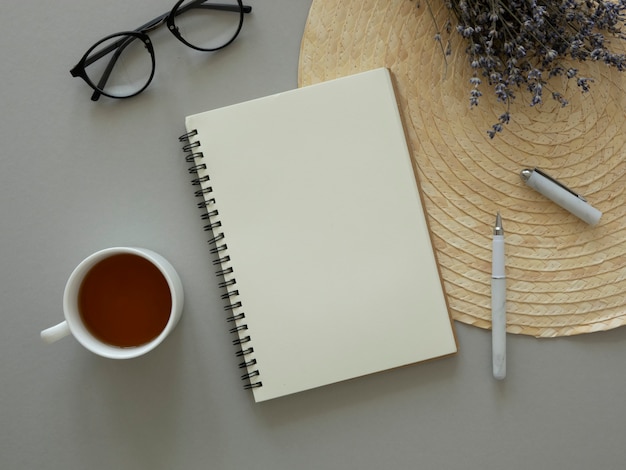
[(319, 234)]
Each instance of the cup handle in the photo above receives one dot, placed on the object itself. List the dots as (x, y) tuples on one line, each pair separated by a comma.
[(55, 333)]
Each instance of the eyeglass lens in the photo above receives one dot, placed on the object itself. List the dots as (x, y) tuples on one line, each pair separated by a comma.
[(208, 25), (128, 64), (125, 63)]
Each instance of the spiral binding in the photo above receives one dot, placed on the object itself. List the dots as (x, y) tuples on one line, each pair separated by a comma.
[(219, 248)]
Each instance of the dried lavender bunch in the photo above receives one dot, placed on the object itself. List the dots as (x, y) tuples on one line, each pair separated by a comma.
[(523, 43)]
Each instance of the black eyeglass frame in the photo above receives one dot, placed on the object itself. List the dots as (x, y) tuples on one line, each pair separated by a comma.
[(126, 37)]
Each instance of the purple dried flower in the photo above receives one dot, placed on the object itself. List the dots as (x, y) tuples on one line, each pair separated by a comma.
[(522, 43), (474, 95)]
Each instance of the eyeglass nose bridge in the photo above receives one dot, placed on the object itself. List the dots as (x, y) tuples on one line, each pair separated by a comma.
[(154, 24)]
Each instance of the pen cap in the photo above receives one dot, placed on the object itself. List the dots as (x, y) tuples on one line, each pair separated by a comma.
[(561, 196)]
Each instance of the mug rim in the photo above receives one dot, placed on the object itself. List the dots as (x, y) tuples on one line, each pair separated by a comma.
[(74, 320)]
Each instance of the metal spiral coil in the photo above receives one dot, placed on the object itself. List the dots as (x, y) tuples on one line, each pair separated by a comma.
[(193, 155)]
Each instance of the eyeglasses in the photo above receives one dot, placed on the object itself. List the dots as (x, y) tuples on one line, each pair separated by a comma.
[(122, 65)]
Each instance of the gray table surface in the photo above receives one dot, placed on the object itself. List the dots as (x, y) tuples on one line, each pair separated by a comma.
[(78, 176)]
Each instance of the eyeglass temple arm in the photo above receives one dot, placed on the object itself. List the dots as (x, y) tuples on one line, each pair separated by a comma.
[(215, 6), (109, 68)]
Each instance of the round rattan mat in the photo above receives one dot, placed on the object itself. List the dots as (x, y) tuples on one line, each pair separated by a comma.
[(564, 277)]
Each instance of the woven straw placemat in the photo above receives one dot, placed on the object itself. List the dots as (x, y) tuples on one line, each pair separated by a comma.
[(564, 277)]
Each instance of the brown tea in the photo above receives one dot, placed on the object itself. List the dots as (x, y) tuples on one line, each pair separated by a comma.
[(125, 300)]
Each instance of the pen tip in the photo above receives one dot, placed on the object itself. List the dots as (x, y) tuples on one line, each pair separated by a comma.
[(498, 229)]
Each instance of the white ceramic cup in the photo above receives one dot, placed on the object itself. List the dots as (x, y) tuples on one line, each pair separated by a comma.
[(73, 322)]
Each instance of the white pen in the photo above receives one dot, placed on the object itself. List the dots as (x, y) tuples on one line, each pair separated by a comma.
[(561, 195), (498, 302)]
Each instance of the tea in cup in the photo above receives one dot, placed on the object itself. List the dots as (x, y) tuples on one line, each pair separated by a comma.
[(120, 303)]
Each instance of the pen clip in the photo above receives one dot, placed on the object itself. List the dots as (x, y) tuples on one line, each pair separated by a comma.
[(525, 175)]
